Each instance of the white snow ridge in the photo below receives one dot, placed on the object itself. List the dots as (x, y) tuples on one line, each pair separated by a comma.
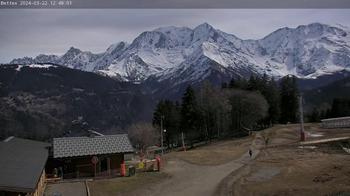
[(41, 66), (308, 51)]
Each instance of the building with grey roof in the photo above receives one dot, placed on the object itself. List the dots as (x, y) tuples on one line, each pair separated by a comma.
[(22, 166), (97, 145), (91, 156)]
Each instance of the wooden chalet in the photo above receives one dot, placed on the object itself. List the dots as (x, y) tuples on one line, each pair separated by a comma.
[(90, 156)]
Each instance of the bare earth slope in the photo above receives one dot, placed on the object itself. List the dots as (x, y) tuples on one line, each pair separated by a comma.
[(282, 167), (291, 169), (203, 177)]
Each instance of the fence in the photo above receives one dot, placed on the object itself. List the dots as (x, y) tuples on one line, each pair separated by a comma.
[(342, 122)]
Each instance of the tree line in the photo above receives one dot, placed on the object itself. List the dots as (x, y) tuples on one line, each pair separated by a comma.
[(232, 110), (340, 107)]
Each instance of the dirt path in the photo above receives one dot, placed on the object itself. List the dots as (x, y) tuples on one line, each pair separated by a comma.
[(201, 180), (286, 168)]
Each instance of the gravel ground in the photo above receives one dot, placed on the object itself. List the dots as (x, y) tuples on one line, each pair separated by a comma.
[(193, 179), (66, 189)]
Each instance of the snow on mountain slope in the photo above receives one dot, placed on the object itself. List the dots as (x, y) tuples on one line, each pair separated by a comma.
[(183, 54), (77, 59), (308, 51), (112, 52), (41, 66)]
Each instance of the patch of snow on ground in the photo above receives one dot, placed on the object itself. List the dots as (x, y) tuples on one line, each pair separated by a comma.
[(315, 135), (307, 147)]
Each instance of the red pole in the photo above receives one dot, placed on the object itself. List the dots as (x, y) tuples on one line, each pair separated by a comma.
[(158, 162)]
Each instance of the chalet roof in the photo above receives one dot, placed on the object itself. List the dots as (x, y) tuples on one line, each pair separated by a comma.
[(84, 146), (21, 164)]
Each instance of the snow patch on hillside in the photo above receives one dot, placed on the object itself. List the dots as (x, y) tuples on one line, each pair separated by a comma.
[(41, 66)]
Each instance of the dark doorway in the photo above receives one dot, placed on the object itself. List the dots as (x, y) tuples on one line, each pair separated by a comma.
[(104, 164)]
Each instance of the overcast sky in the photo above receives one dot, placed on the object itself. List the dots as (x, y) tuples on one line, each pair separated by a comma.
[(31, 32)]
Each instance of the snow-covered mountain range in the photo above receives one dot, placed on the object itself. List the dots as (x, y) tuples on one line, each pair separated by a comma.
[(181, 54)]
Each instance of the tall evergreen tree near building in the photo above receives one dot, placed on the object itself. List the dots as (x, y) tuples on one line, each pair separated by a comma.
[(189, 113), (169, 113), (272, 96), (289, 99)]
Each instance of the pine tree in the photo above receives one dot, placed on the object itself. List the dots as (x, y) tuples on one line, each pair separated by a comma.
[(237, 83), (168, 112), (189, 112), (158, 113), (289, 99), (340, 107), (272, 96), (315, 115), (232, 83), (253, 83)]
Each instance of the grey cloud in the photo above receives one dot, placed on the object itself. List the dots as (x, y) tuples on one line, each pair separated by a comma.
[(31, 32)]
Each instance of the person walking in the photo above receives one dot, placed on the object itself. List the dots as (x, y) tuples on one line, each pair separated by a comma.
[(267, 141), (250, 153)]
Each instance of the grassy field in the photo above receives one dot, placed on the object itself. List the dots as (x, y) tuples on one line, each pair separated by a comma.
[(291, 170), (216, 153), (212, 154)]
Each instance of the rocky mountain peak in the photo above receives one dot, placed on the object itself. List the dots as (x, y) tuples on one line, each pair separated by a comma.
[(307, 51)]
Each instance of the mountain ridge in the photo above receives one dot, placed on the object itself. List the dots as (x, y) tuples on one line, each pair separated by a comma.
[(307, 51)]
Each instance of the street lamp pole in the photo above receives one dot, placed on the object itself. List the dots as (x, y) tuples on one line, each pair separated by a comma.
[(161, 133), (302, 131)]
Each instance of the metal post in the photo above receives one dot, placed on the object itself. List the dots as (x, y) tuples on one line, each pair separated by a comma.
[(95, 170), (302, 132), (109, 166), (161, 133), (183, 141)]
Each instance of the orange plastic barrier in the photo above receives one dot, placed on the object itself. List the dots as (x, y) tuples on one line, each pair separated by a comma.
[(158, 162), (122, 169)]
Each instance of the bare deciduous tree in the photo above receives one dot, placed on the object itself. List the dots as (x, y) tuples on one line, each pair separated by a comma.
[(143, 135), (247, 108)]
